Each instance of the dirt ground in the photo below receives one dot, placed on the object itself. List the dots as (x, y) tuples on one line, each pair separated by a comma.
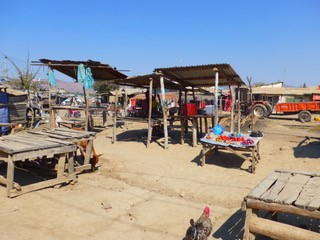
[(151, 193)]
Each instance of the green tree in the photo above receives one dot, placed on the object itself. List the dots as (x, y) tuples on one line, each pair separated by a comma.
[(104, 87), (25, 78)]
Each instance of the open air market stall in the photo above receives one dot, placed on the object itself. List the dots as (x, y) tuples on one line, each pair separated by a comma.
[(85, 71), (182, 79)]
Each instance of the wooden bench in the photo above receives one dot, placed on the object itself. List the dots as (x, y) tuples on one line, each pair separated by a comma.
[(26, 146), (74, 136), (283, 192)]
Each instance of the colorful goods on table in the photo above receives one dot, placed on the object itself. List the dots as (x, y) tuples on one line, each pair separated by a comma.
[(230, 138)]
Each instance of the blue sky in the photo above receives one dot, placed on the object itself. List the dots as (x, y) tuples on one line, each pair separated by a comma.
[(270, 41)]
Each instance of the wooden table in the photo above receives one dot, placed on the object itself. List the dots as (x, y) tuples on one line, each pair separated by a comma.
[(71, 123), (75, 137), (286, 192), (210, 145), (26, 146)]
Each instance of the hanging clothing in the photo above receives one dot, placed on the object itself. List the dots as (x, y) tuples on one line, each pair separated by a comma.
[(88, 80), (85, 76), (51, 78), (81, 73)]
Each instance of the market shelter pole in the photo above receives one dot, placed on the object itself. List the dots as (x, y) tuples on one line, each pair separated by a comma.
[(216, 96), (164, 112), (150, 113)]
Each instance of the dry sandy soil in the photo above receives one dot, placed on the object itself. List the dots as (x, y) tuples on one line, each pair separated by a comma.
[(151, 193)]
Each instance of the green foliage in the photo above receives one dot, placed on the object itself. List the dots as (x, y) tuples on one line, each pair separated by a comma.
[(104, 87), (25, 78)]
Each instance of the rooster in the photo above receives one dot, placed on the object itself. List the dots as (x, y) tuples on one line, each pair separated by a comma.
[(202, 228)]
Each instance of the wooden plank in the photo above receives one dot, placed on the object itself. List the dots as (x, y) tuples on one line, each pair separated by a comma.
[(309, 192), (273, 192), (4, 181), (81, 168), (44, 152), (48, 134), (60, 132), (10, 147), (246, 234), (314, 204), (275, 207), (41, 185), (263, 186), (73, 131), (283, 231), (292, 189), (312, 174), (34, 142)]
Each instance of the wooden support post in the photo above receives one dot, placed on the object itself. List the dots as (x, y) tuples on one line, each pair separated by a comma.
[(61, 165), (193, 95), (51, 114), (10, 176), (277, 230), (125, 106), (232, 108), (203, 156), (251, 104), (216, 86), (164, 112), (206, 125), (70, 163), (180, 102), (150, 113), (114, 135), (87, 109), (89, 148), (182, 124), (239, 111), (253, 158), (246, 234), (194, 131)]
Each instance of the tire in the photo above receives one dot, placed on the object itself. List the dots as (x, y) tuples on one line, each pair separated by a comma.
[(259, 110), (304, 116), (269, 110)]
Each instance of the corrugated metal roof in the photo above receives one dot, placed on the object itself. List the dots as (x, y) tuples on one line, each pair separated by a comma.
[(100, 72), (202, 75), (285, 91), (143, 81)]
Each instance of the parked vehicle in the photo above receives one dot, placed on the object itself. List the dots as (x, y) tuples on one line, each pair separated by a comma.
[(260, 107), (73, 113), (303, 109)]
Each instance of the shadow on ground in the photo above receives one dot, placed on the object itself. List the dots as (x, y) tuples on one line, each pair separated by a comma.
[(308, 148), (222, 159), (232, 229)]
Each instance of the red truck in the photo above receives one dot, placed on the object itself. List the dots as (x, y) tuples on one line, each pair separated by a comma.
[(303, 109)]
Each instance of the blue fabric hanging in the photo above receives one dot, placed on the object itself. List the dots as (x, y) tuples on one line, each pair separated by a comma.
[(85, 76), (81, 73), (88, 80), (51, 78)]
